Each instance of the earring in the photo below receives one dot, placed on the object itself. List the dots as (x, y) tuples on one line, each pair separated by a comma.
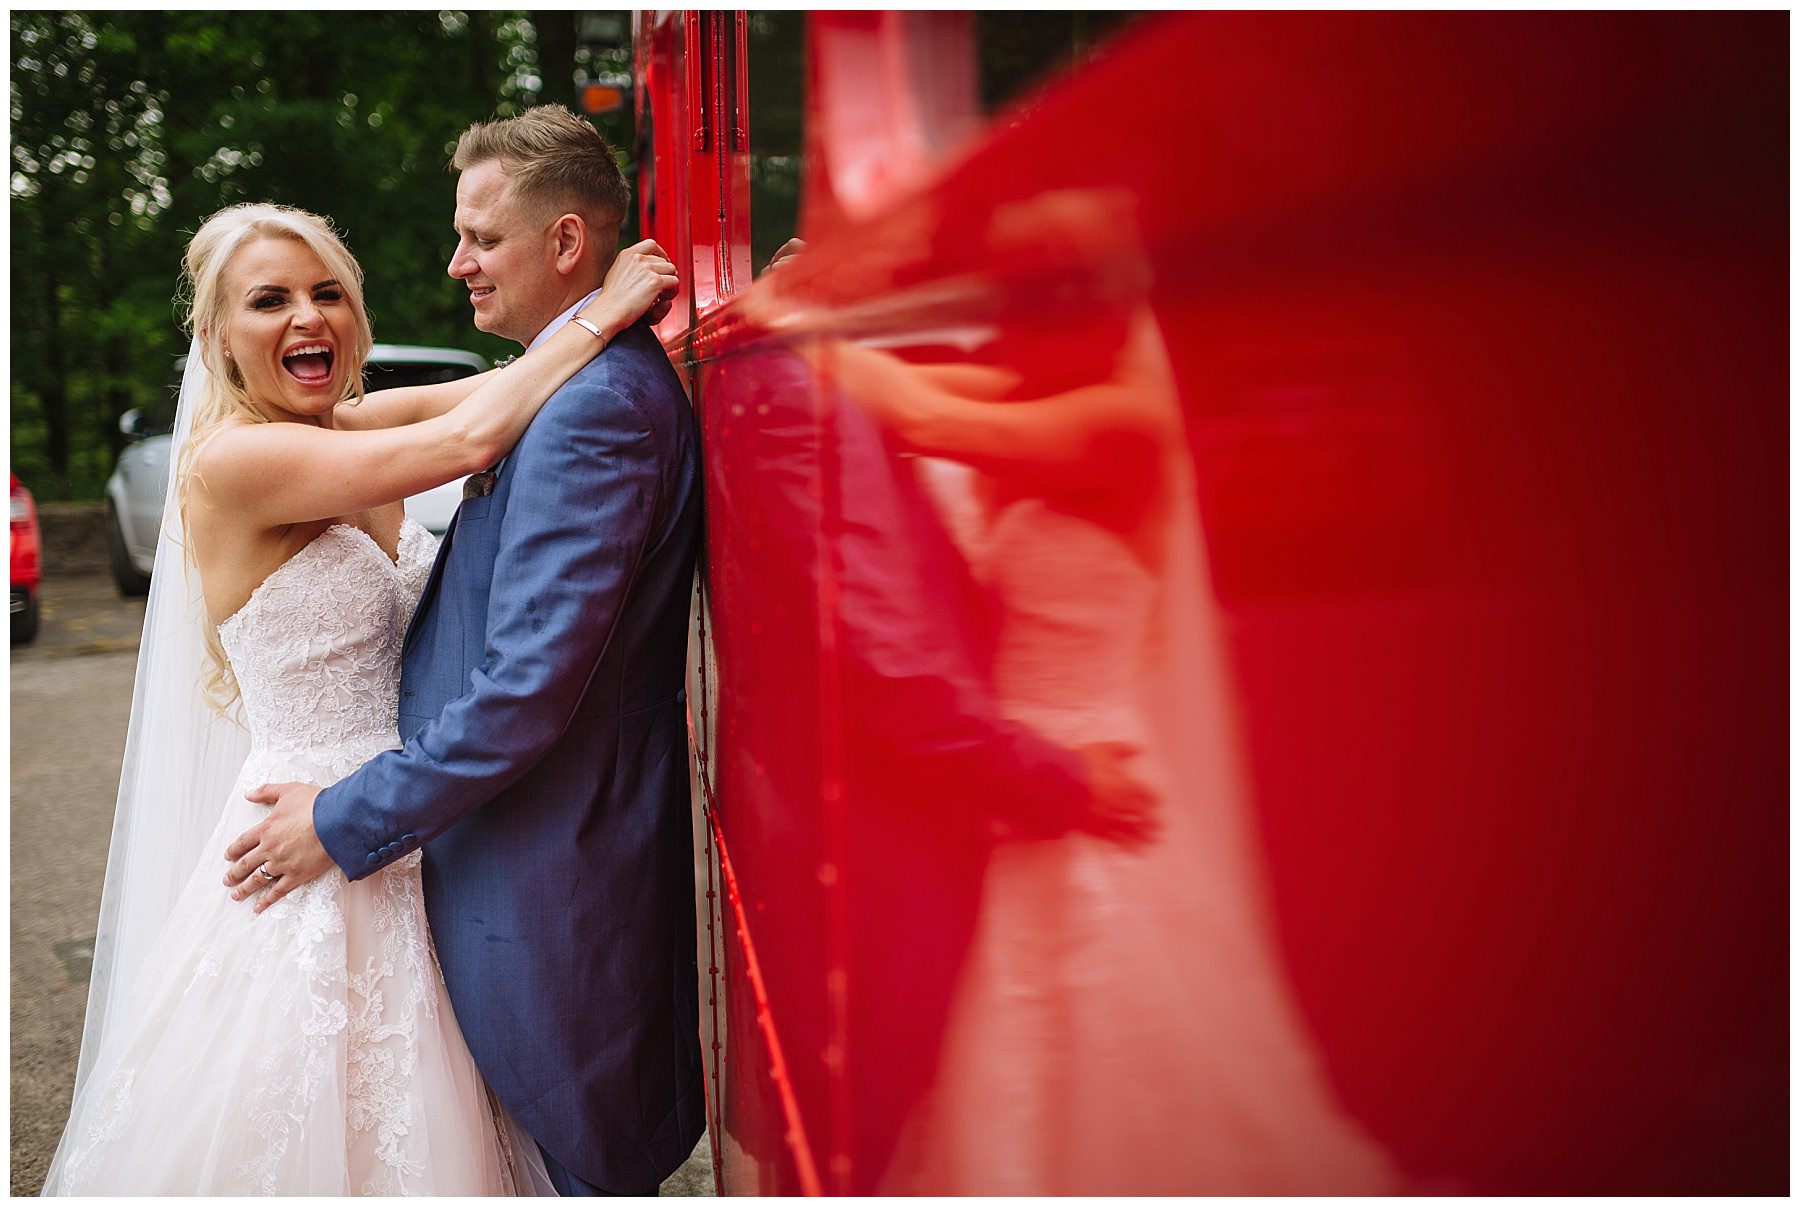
[(228, 354)]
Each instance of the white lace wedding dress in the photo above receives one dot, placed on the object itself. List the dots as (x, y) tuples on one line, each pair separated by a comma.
[(309, 1049)]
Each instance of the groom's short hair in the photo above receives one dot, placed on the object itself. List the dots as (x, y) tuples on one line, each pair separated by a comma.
[(556, 162)]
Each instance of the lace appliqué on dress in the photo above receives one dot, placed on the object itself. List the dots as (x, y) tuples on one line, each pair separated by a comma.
[(383, 1049), (313, 917), (114, 1111)]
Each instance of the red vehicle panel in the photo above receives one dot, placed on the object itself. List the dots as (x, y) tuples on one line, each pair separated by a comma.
[(1363, 433)]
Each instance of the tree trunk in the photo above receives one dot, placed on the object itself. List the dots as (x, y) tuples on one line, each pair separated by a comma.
[(55, 394), (115, 396), (484, 56), (556, 56)]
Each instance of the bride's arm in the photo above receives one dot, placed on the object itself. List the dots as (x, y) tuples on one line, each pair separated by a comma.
[(266, 475), (407, 404), (1094, 433), (636, 281)]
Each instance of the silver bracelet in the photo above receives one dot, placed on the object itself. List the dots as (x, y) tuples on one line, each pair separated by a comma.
[(598, 334)]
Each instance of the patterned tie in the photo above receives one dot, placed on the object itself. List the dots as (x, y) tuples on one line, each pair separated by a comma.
[(479, 486)]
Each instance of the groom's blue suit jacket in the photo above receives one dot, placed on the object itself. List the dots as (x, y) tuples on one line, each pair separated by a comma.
[(545, 773)]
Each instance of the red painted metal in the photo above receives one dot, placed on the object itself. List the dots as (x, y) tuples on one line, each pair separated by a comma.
[(1430, 369), (660, 57), (738, 74), (700, 112), (892, 95), (793, 1122)]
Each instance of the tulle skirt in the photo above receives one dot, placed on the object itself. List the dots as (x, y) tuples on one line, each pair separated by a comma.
[(306, 1050)]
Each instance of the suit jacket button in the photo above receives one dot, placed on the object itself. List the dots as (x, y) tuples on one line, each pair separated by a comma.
[(374, 859), (407, 840)]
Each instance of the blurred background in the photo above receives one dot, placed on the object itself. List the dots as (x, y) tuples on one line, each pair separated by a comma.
[(129, 128)]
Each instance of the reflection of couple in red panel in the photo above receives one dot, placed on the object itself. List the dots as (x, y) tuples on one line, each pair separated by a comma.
[(1061, 973)]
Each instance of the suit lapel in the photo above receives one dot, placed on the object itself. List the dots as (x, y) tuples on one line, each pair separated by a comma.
[(431, 585)]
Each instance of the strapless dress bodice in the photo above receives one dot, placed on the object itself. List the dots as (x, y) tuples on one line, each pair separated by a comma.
[(316, 648)]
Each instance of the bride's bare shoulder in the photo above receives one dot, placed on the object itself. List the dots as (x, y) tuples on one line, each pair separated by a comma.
[(223, 446), (222, 466), (234, 460)]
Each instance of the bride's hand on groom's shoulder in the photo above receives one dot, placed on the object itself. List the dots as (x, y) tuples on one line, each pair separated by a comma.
[(280, 853), (642, 280)]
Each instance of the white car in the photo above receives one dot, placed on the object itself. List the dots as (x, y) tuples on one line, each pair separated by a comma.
[(134, 493)]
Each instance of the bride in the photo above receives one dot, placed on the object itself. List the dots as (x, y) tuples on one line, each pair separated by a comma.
[(311, 1049)]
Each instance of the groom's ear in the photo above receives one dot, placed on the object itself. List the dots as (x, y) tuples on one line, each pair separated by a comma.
[(571, 242)]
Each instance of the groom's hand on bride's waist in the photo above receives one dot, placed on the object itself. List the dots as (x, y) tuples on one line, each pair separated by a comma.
[(279, 853), (1123, 809)]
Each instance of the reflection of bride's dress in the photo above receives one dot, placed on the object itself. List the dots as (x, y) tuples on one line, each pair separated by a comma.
[(1122, 1026), (311, 1049)]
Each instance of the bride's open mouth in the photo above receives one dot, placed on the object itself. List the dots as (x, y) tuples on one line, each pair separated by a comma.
[(309, 364)]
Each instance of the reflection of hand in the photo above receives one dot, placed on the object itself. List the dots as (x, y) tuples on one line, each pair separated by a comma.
[(896, 395), (976, 383), (1123, 809), (642, 279), (791, 248), (284, 843)]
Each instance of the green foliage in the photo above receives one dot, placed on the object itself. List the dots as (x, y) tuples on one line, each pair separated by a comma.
[(1019, 51), (777, 47), (131, 127)]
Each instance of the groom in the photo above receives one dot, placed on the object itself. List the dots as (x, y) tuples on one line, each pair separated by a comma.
[(541, 705)]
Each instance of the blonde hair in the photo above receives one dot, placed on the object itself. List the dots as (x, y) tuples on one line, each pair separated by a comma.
[(205, 302), (555, 163)]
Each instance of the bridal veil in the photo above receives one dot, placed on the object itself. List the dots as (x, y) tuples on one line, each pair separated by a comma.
[(181, 756)]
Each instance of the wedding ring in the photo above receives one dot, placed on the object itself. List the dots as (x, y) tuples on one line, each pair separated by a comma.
[(263, 871)]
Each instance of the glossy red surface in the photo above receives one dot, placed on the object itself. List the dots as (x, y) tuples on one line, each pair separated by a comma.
[(1401, 400)]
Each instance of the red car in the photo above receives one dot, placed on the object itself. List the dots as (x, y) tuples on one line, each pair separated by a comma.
[(25, 573)]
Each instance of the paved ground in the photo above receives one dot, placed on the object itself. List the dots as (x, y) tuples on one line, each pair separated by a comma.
[(83, 616), (71, 695), (68, 732)]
